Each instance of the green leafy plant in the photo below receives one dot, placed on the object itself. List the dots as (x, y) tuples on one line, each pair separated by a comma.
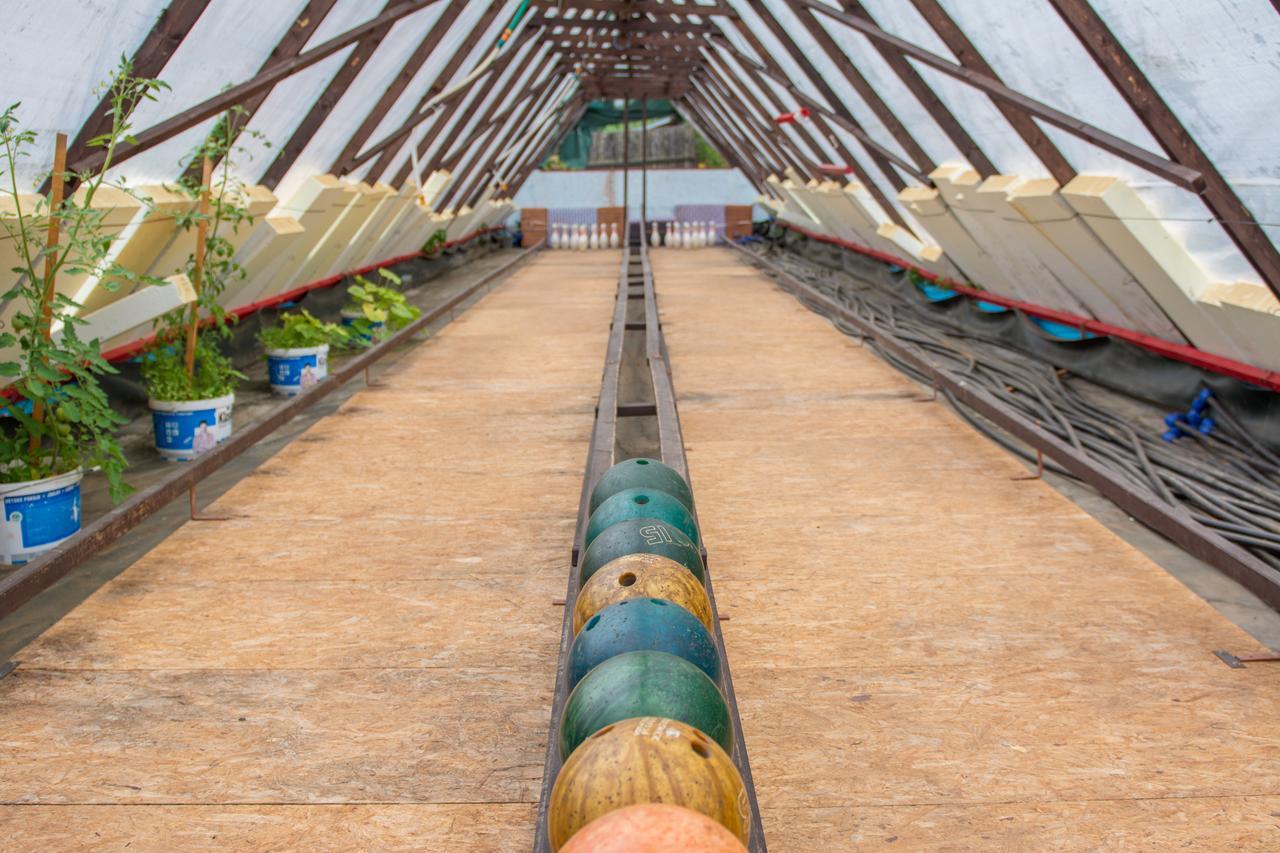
[(435, 242), (71, 423), (296, 331), (382, 309), (190, 334), (165, 371)]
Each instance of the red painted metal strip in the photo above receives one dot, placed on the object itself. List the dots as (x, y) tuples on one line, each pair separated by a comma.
[(1269, 379)]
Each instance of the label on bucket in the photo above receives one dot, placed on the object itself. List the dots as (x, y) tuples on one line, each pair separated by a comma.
[(296, 372), (31, 521), (192, 433), (374, 328)]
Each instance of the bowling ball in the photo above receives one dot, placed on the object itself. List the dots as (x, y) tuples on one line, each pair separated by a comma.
[(641, 576), (647, 760), (638, 624), (641, 503), (641, 474), (644, 684), (653, 828), (640, 536)]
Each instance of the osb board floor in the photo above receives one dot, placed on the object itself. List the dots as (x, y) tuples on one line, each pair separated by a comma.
[(363, 657), (926, 652)]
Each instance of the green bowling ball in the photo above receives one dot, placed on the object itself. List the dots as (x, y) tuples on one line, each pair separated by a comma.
[(641, 474), (644, 684), (641, 503), (640, 536)]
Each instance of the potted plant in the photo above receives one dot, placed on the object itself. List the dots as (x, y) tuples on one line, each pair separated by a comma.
[(298, 351), (58, 422), (190, 382), (376, 310)]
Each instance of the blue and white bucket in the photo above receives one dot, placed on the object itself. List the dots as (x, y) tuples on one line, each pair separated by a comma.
[(188, 428), (38, 515), (292, 371), (349, 318)]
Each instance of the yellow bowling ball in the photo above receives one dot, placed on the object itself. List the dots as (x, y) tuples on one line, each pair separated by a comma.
[(647, 760), (641, 576)]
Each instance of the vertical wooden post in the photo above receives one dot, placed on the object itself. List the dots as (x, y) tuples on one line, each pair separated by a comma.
[(197, 279), (626, 162), (53, 235), (644, 163)]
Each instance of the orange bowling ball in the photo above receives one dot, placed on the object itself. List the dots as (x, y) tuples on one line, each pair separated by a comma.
[(653, 828)]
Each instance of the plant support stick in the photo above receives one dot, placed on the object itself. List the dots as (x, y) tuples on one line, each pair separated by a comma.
[(50, 267), (202, 232)]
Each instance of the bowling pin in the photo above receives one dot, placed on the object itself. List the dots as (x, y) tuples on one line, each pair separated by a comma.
[(614, 240), (654, 237), (673, 235)]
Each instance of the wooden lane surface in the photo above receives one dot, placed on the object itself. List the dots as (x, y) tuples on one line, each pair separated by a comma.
[(363, 656), (927, 653)]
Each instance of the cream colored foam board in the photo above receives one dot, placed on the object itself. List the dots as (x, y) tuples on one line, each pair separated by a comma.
[(929, 257), (1096, 276), (869, 216), (316, 204), (142, 242), (323, 261), (403, 205), (1140, 241), (11, 253), (956, 187), (462, 219), (1252, 313), (382, 205), (257, 201), (437, 182), (967, 257), (1019, 249), (119, 210), (415, 222), (129, 317), (268, 248), (791, 210), (306, 267)]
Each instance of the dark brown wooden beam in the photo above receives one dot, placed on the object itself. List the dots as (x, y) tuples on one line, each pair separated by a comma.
[(386, 148), (1125, 74), (923, 162), (451, 153), (260, 83), (964, 50), (1176, 173), (625, 26), (396, 88), (507, 134), (733, 129), (147, 61), (573, 113), (306, 130), (928, 98), (643, 7), (751, 167), (883, 158), (744, 105)]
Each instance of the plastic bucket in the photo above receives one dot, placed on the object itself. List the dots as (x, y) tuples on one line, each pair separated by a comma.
[(188, 428), (349, 319), (292, 371), (38, 515)]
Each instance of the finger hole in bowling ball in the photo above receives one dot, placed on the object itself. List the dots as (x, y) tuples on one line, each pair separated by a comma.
[(700, 748), (627, 580), (642, 461), (592, 623), (642, 499), (603, 731), (660, 601)]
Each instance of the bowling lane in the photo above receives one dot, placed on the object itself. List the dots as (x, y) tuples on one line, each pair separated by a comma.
[(927, 653), (363, 656)]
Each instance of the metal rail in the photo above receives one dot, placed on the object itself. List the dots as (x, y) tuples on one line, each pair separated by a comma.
[(29, 580), (1172, 522), (600, 454)]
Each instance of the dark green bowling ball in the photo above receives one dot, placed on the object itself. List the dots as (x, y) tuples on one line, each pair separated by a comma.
[(641, 503), (640, 624), (641, 474), (640, 536), (644, 684)]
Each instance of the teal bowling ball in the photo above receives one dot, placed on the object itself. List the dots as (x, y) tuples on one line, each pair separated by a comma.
[(641, 474), (641, 503), (640, 624), (644, 684), (640, 536)]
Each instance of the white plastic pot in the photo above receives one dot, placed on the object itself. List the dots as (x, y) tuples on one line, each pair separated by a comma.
[(185, 429), (292, 371), (38, 515)]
